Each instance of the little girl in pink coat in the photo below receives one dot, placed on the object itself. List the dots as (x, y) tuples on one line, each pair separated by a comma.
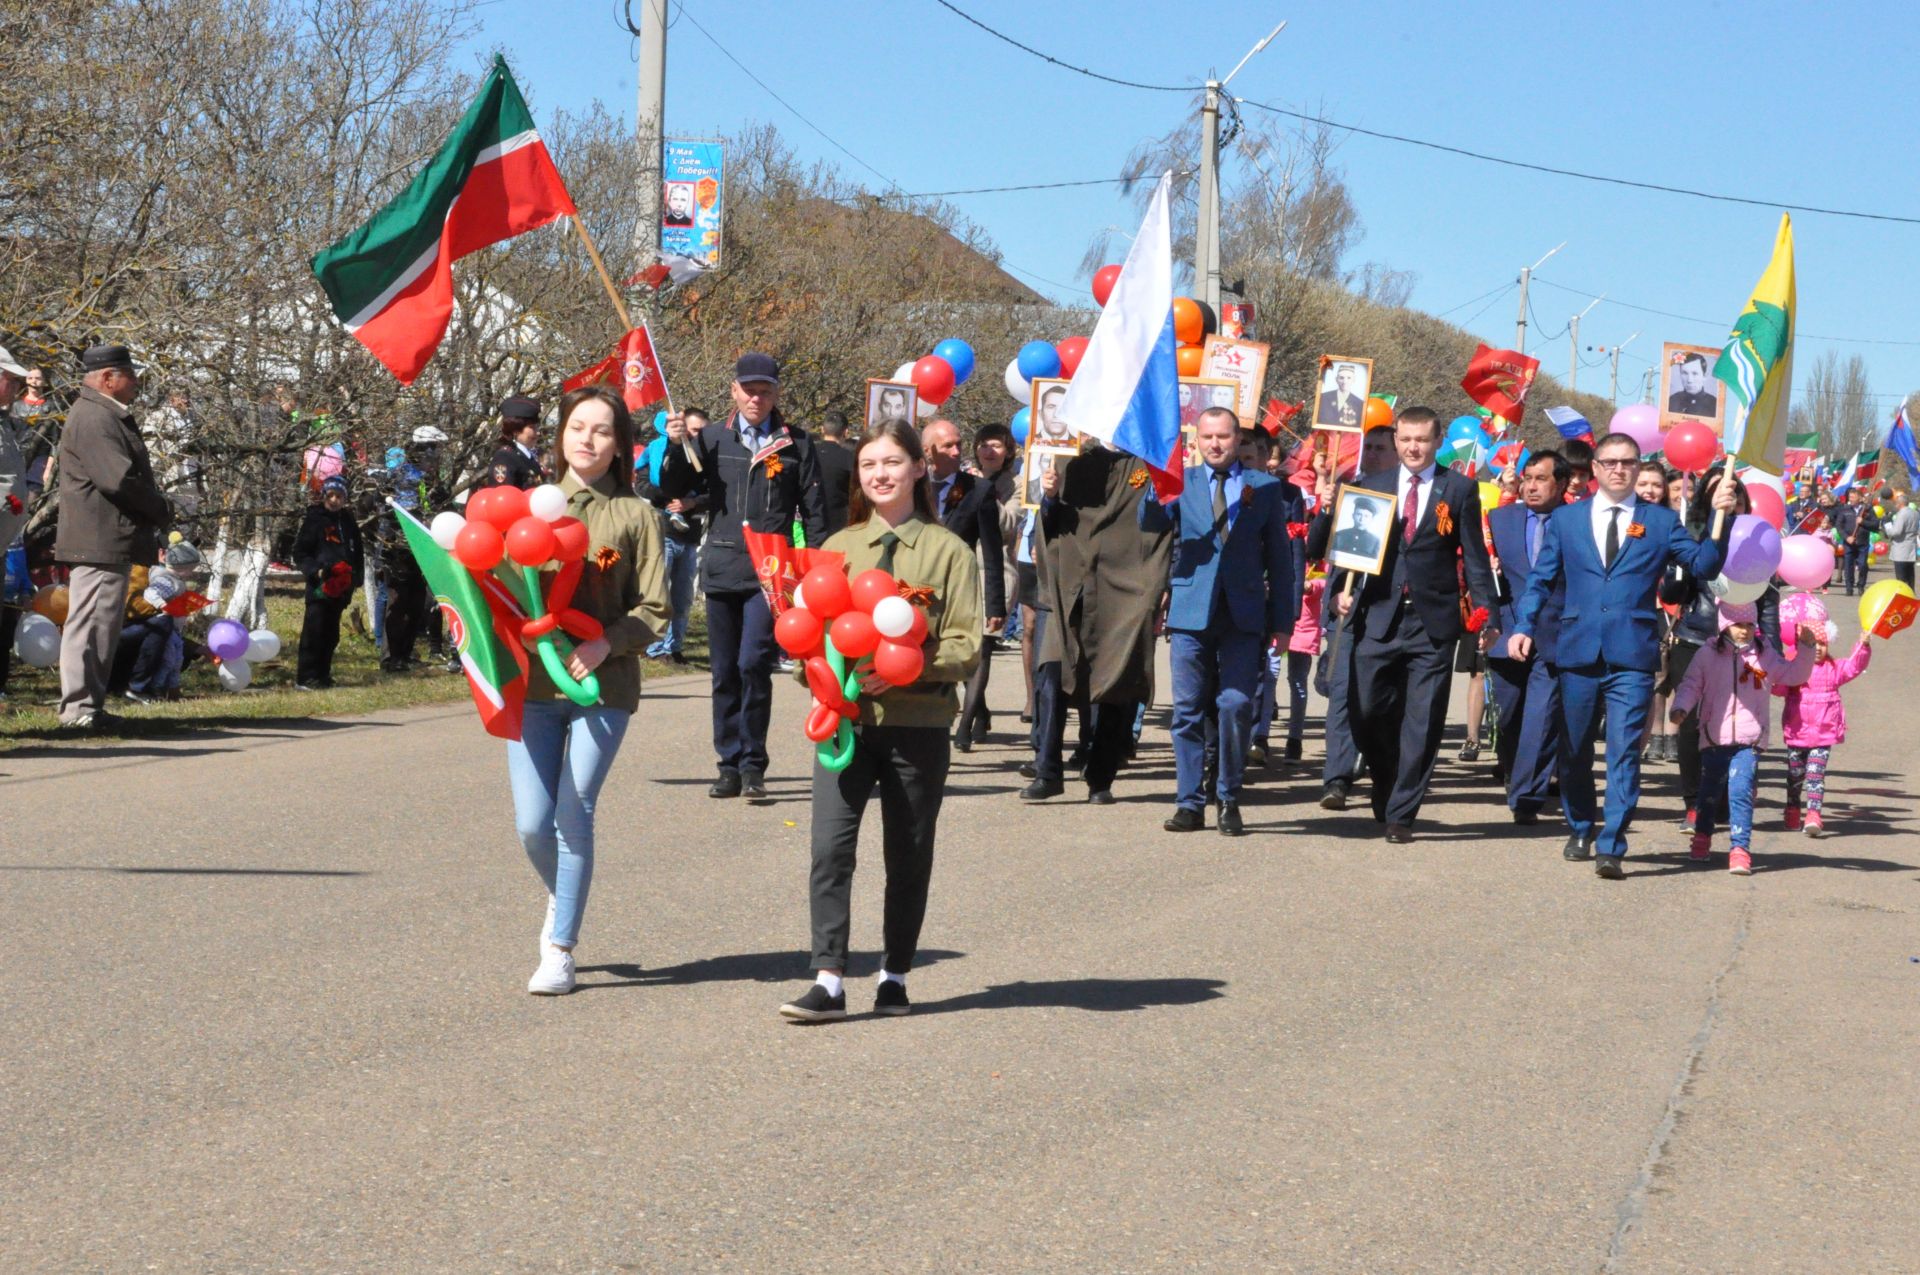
[(1815, 719)]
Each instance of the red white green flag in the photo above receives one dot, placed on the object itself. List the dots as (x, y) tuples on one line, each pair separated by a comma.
[(495, 663), (391, 281)]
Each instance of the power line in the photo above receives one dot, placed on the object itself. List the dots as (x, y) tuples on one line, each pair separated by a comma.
[(1067, 66), (996, 190), (1568, 172), (1469, 322), (1714, 323), (1505, 287), (744, 70)]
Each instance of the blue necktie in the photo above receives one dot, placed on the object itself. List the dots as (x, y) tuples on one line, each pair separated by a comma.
[(1533, 537)]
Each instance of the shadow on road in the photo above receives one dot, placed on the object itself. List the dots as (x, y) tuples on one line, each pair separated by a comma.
[(1101, 995), (184, 872), (745, 967)]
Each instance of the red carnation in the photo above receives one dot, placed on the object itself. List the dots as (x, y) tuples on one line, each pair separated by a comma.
[(1297, 530), (1478, 620)]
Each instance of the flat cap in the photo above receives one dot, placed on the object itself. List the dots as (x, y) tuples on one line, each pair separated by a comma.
[(757, 367), (98, 358)]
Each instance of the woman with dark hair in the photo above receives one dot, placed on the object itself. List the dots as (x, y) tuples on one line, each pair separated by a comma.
[(901, 745), (565, 751), (1698, 623)]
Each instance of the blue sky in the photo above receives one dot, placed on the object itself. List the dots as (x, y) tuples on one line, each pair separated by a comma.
[(1763, 99)]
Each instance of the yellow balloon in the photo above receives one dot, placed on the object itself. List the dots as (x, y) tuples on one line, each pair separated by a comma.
[(1489, 496), (1887, 607)]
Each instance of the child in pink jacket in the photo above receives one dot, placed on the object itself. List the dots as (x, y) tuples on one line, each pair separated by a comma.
[(1815, 720), (1728, 681)]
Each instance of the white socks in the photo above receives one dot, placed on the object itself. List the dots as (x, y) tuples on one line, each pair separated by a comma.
[(832, 982), (888, 976)]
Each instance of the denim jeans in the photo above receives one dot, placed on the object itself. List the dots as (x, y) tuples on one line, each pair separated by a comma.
[(683, 565), (556, 767), (1727, 777)]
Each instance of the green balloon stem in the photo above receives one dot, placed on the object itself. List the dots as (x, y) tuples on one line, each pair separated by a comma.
[(584, 691), (836, 754)]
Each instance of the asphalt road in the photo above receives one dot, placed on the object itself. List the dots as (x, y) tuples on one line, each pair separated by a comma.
[(265, 1011)]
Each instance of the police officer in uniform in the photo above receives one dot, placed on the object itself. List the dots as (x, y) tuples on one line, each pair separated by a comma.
[(517, 462)]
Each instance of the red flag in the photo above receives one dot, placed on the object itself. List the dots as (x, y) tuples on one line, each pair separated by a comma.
[(779, 566), (1278, 414), (633, 368), (1498, 380)]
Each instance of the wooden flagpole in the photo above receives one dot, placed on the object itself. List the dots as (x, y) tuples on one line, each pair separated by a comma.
[(626, 326)]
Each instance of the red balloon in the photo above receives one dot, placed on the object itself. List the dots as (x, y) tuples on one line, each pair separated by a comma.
[(869, 587), (505, 506), (826, 592), (898, 663), (798, 632), (1189, 325), (824, 685), (918, 632), (933, 377), (530, 541), (1691, 446), (1072, 350), (1103, 280), (853, 634), (478, 504), (1768, 505), (569, 539), (821, 723), (479, 546)]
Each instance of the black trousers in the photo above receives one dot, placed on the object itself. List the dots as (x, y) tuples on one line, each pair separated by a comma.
[(973, 711), (1398, 703), (319, 636), (9, 621), (908, 765), (1343, 750), (407, 603), (1902, 571), (741, 651), (1853, 566)]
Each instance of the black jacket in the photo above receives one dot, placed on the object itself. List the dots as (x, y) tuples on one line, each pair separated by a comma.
[(1435, 563), (325, 539), (511, 467), (836, 480), (973, 514), (768, 492)]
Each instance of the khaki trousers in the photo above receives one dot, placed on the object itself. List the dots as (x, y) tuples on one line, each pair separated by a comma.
[(96, 610)]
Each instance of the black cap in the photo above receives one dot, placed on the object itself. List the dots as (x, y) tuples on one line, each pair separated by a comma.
[(98, 358), (757, 367), (518, 407)]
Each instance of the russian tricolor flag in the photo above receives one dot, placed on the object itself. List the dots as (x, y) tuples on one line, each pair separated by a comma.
[(1126, 391)]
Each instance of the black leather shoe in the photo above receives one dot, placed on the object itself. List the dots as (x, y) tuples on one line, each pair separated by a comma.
[(728, 785), (1041, 789), (1184, 820), (1256, 754), (1398, 834), (1334, 796), (963, 743), (1607, 867), (1029, 771), (1100, 797), (1293, 750), (1076, 761), (1230, 823), (1578, 848), (753, 785), (1526, 818)]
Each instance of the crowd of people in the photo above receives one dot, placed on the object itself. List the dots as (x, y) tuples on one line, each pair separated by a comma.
[(1583, 604)]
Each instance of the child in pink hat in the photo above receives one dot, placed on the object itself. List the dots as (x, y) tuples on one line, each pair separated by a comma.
[(1728, 682), (1814, 720)]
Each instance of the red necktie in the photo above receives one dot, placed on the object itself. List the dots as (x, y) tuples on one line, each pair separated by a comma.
[(1410, 515)]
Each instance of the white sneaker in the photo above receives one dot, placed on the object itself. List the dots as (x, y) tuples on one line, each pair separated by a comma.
[(546, 928), (555, 975)]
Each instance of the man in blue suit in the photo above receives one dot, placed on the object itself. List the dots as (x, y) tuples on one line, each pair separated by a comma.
[(1234, 585), (1607, 554), (1527, 692)]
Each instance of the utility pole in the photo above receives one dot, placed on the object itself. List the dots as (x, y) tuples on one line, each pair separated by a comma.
[(1646, 386), (1206, 238), (1613, 387), (1573, 332), (1526, 276), (649, 121)]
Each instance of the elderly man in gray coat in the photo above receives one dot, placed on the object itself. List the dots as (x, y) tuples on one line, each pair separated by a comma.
[(112, 515)]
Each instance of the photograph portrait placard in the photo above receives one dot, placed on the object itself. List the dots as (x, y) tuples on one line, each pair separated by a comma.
[(890, 401), (1688, 390), (1041, 458), (1340, 393), (1362, 521), (1045, 425), (1244, 363)]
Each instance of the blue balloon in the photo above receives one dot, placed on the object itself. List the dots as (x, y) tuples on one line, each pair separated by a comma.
[(1019, 425), (959, 355), (1464, 428), (1038, 358)]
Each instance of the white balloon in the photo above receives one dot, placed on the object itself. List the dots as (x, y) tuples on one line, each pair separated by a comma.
[(798, 601), (262, 644), (1733, 591), (923, 408), (236, 675), (904, 373), (446, 527), (1017, 385), (893, 617), (37, 640), (547, 503)]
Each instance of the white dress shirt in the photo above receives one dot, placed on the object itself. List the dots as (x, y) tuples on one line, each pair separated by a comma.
[(1402, 475), (1603, 507)]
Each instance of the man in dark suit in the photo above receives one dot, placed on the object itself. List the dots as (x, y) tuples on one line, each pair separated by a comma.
[(970, 508), (835, 459), (1234, 586), (1340, 405), (1607, 555), (1526, 693), (1408, 618)]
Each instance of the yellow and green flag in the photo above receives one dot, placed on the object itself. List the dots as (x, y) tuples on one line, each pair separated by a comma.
[(1757, 364)]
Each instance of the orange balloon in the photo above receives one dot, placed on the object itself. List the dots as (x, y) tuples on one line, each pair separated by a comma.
[(51, 601), (1377, 413), (1189, 325), (1188, 356)]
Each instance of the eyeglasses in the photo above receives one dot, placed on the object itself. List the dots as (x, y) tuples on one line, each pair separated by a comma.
[(1614, 464)]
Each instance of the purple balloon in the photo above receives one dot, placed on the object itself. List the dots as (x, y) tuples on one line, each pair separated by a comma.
[(1753, 552), (1641, 423), (228, 639)]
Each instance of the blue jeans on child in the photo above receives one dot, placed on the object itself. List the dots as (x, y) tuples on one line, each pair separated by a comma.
[(1727, 777), (556, 767), (683, 564)]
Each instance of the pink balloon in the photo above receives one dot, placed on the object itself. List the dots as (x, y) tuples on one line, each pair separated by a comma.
[(1806, 562), (1641, 423)]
